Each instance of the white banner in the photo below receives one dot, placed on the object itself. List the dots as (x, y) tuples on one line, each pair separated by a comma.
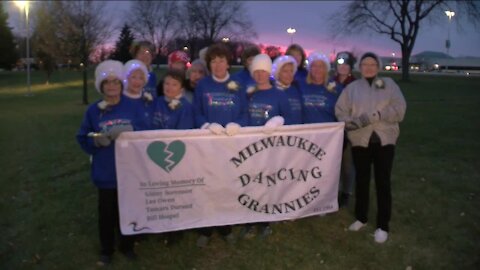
[(179, 179)]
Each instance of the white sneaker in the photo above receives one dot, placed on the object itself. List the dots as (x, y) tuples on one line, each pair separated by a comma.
[(381, 236), (357, 225)]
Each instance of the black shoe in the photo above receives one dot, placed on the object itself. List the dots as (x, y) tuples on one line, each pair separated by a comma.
[(104, 260)]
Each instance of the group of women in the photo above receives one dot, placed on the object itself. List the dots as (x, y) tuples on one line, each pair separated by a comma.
[(293, 89)]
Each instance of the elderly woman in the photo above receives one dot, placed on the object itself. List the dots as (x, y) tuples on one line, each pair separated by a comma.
[(136, 74), (318, 94), (344, 63), (283, 71), (145, 51), (297, 52), (220, 106), (197, 71), (103, 122), (372, 108)]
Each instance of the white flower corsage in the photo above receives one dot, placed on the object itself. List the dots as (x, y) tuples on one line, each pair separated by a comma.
[(102, 105), (331, 86), (147, 97), (251, 89), (233, 86), (379, 83), (174, 104)]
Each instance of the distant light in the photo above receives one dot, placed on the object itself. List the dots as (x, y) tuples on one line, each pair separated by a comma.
[(226, 39), (21, 4), (388, 67), (449, 14), (341, 61), (185, 48), (436, 66), (291, 30)]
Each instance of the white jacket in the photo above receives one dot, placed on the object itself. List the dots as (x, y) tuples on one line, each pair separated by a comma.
[(359, 97)]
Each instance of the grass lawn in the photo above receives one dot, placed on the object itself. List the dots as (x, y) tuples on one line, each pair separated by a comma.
[(48, 204)]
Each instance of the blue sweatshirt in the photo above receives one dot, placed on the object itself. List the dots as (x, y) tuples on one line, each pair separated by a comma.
[(301, 75), (103, 158), (214, 103), (145, 106), (318, 103), (244, 78), (265, 104), (165, 117), (295, 100), (151, 85)]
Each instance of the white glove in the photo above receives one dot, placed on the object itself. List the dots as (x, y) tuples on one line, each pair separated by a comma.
[(115, 131), (216, 128), (369, 118), (232, 128), (101, 140), (273, 124)]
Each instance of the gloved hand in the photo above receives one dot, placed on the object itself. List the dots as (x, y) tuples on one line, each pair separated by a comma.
[(115, 131), (369, 118), (273, 124), (232, 128), (101, 140), (216, 128)]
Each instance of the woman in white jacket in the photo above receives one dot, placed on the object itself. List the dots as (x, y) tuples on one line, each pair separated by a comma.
[(372, 108)]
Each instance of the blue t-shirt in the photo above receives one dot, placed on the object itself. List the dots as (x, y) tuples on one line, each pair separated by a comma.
[(318, 103), (175, 117), (214, 102), (265, 104), (96, 120)]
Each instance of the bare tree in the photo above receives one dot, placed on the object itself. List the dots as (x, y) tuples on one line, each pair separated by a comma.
[(84, 26), (208, 20), (398, 19), (154, 20)]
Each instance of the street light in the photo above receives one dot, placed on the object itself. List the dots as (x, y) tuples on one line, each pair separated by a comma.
[(24, 5), (450, 15), (291, 31)]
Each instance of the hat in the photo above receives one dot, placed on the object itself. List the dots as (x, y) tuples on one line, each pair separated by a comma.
[(134, 65), (178, 56), (280, 61), (199, 63), (316, 56), (261, 62), (345, 58), (105, 69), (202, 54), (372, 55)]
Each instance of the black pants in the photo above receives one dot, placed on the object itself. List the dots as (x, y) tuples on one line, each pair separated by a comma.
[(382, 159), (222, 230), (108, 223)]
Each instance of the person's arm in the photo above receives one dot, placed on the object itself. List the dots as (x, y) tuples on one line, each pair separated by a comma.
[(395, 111), (200, 118), (86, 142)]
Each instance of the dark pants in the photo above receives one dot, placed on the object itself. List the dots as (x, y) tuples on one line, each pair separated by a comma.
[(108, 223), (382, 159), (222, 230)]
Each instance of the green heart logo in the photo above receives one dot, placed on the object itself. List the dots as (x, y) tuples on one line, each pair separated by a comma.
[(166, 156)]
